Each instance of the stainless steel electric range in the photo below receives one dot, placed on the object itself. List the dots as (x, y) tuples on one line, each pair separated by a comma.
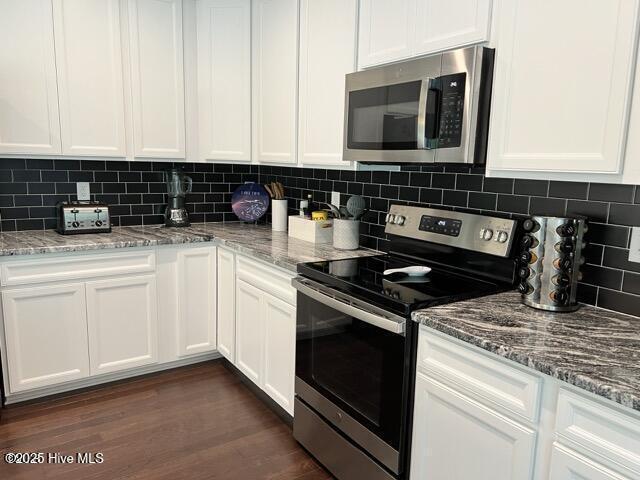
[(356, 345)]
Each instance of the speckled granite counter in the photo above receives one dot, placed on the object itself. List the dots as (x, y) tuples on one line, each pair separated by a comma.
[(594, 349), (258, 241)]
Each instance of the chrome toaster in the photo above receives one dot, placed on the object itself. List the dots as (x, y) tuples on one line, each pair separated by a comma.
[(83, 217)]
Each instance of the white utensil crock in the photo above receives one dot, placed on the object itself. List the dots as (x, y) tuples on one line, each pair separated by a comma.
[(279, 215), (346, 234)]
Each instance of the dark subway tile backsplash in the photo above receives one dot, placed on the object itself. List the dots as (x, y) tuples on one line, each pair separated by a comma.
[(30, 188)]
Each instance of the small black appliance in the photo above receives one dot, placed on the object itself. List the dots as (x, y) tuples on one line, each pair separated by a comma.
[(178, 186)]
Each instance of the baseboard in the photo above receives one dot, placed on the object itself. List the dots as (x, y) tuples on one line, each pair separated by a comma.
[(106, 378), (258, 392)]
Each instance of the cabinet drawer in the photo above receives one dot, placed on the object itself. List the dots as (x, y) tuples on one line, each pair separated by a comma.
[(589, 426), (76, 266), (487, 380), (266, 278)]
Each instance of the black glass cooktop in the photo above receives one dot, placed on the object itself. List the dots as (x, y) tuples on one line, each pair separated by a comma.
[(364, 278)]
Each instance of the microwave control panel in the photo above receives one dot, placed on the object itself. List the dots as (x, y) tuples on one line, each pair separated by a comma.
[(451, 109)]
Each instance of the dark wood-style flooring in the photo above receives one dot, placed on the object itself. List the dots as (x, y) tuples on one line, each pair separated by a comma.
[(197, 422)]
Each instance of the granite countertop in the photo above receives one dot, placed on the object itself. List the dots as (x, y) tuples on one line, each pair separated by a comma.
[(255, 240), (594, 349)]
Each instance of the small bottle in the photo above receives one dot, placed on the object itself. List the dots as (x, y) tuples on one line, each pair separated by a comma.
[(304, 206), (311, 207)]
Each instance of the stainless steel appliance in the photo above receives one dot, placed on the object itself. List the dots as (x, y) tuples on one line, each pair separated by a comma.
[(550, 262), (356, 345), (434, 109), (83, 217), (178, 186)]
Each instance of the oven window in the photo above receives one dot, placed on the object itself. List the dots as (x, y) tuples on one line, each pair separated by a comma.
[(357, 366), (384, 118)]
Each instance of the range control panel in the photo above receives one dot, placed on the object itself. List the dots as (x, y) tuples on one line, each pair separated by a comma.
[(479, 233)]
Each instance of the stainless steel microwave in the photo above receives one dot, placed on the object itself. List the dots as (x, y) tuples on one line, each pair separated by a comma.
[(433, 109)]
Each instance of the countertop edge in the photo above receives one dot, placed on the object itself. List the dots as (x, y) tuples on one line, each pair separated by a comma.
[(582, 382)]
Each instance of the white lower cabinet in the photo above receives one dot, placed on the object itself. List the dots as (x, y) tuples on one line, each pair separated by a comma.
[(480, 416), (265, 329), (279, 356), (46, 335), (249, 331), (226, 304), (122, 319), (569, 465), (456, 438), (196, 268)]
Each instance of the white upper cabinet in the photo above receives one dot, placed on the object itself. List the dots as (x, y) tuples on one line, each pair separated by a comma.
[(224, 79), (391, 31), (157, 78), (29, 121), (562, 85), (275, 78), (90, 86), (444, 24), (327, 54), (386, 31)]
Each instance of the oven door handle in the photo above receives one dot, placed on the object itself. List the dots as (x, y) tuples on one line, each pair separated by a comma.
[(391, 323)]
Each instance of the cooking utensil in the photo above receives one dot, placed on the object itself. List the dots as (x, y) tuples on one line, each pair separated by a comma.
[(413, 271), (356, 206), (334, 210)]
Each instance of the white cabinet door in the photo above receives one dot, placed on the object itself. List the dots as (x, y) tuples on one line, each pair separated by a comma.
[(249, 331), (157, 78), (457, 438), (446, 24), (562, 85), (275, 79), (122, 319), (386, 31), (224, 79), (226, 304), (279, 351), (196, 300), (327, 54), (90, 84), (29, 121), (569, 465), (46, 335)]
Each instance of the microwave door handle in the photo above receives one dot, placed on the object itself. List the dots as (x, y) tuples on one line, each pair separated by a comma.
[(428, 115), (393, 326)]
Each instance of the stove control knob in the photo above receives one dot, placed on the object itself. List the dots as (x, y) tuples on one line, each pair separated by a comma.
[(487, 234), (390, 218), (502, 236), (399, 220)]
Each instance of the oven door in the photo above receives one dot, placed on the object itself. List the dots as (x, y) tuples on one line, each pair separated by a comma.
[(350, 368)]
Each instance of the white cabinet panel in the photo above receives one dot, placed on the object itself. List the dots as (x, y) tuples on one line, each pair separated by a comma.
[(46, 335), (279, 351), (226, 304), (29, 121), (569, 465), (386, 31), (196, 300), (249, 331), (224, 79), (275, 73), (122, 320), (327, 54), (156, 50), (457, 438), (446, 24), (562, 85), (89, 63)]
